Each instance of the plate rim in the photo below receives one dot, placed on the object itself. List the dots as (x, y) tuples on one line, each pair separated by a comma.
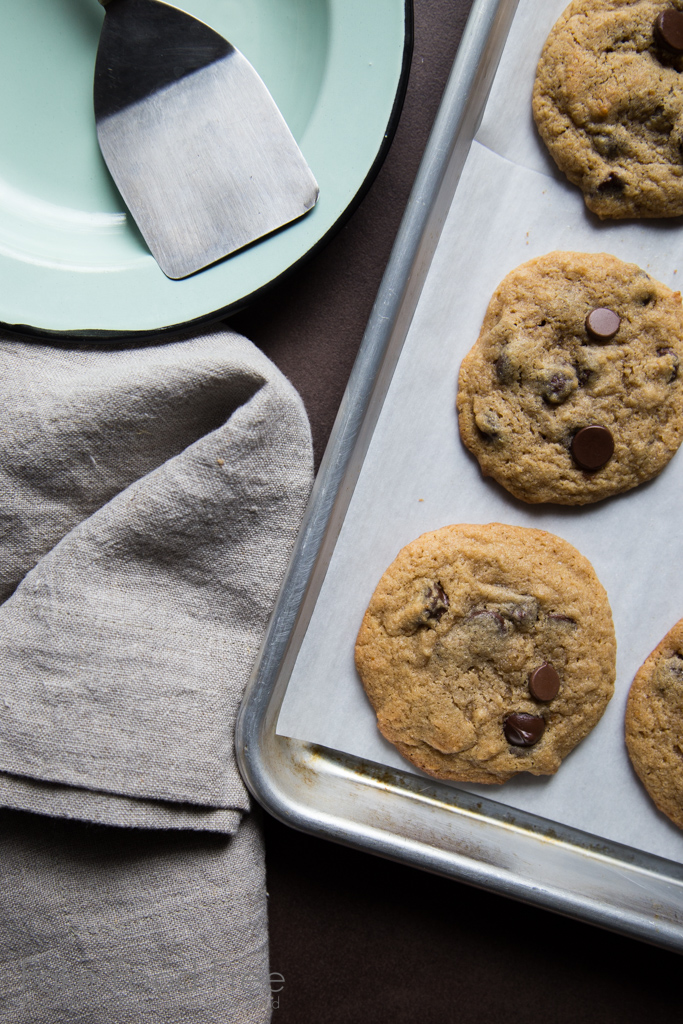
[(22, 330)]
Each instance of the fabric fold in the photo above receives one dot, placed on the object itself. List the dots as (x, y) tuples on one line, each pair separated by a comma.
[(139, 570), (23, 794), (81, 425)]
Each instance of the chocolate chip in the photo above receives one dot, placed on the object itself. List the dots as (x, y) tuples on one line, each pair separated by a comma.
[(602, 324), (592, 447), (668, 30), (544, 682), (522, 730)]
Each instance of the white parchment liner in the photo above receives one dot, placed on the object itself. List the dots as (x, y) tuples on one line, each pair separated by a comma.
[(511, 205)]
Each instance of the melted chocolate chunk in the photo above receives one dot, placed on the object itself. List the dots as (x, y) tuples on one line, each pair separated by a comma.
[(592, 447), (522, 730), (606, 146), (564, 620), (422, 608), (505, 371), (544, 682), (558, 386), (487, 617), (584, 374), (523, 612), (602, 324), (488, 425), (437, 601), (674, 666), (668, 31)]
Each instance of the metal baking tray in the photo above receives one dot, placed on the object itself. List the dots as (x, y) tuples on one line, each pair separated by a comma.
[(386, 811)]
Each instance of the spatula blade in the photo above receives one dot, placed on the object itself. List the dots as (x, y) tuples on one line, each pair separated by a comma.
[(193, 139)]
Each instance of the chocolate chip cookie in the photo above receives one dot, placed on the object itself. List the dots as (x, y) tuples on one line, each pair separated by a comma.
[(654, 724), (487, 651), (608, 103), (573, 390)]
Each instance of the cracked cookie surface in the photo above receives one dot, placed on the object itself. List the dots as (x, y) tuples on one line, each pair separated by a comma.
[(462, 630), (537, 377), (654, 724), (608, 103)]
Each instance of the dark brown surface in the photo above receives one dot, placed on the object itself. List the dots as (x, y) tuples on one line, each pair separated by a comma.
[(359, 940), (312, 324)]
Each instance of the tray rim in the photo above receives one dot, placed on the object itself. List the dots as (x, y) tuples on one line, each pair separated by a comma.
[(261, 753)]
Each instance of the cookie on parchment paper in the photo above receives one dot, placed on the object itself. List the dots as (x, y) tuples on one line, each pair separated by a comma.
[(608, 103), (487, 651), (574, 390), (654, 724)]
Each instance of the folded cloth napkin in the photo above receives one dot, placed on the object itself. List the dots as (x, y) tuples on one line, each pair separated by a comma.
[(149, 500)]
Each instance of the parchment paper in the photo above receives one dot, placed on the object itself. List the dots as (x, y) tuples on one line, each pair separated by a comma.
[(511, 205)]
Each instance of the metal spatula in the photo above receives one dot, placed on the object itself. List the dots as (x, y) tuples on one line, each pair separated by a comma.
[(193, 139)]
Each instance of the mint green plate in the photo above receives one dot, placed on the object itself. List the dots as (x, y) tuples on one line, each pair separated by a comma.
[(72, 260)]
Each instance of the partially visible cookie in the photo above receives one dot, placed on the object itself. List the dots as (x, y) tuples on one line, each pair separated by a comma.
[(608, 103), (487, 651), (654, 724), (573, 390)]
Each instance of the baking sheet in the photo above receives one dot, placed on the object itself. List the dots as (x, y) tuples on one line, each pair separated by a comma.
[(510, 206)]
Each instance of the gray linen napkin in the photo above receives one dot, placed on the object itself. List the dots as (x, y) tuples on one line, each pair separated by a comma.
[(118, 926), (149, 500)]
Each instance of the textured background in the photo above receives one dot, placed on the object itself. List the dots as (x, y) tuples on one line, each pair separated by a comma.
[(359, 940)]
